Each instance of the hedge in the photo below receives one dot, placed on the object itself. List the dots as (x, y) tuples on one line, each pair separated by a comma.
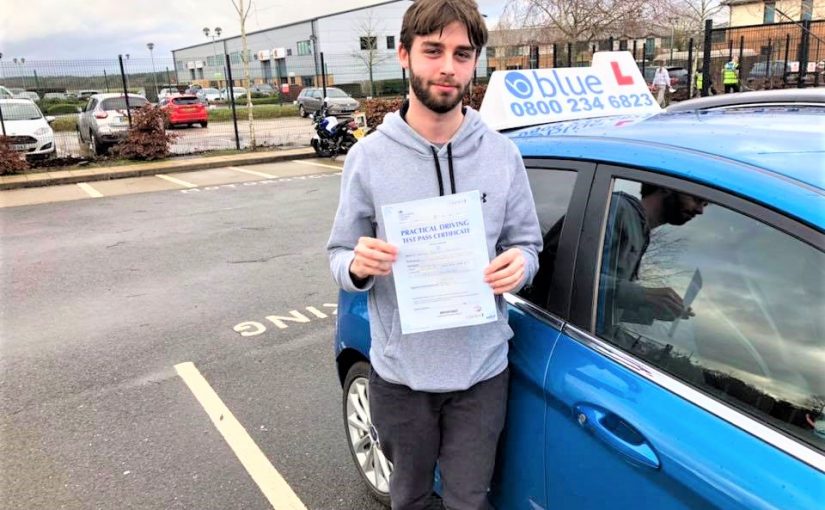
[(61, 109)]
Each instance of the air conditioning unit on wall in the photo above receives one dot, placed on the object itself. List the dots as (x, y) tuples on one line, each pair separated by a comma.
[(278, 52), (263, 55)]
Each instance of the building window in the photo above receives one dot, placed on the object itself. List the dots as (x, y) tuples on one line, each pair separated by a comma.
[(308, 81), (650, 47), (390, 42), (623, 45), (807, 9), (289, 52), (369, 43), (770, 13), (304, 48)]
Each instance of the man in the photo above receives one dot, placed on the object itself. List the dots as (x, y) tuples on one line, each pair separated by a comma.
[(440, 395), (630, 225), (661, 82), (730, 76)]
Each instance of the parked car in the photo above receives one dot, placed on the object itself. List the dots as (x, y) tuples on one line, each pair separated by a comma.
[(6, 93), (185, 110), (85, 94), (105, 121), (27, 129), (264, 88), (27, 94), (774, 99), (340, 103), (778, 74), (238, 92), (165, 93), (613, 405), (679, 81), (209, 95), (55, 96)]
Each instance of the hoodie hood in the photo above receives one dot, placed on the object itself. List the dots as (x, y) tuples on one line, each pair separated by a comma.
[(465, 141)]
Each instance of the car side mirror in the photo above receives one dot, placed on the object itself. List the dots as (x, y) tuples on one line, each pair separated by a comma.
[(49, 119)]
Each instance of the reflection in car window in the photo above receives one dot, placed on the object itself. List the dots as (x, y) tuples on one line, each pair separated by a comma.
[(119, 103), (552, 190), (718, 299), (20, 111)]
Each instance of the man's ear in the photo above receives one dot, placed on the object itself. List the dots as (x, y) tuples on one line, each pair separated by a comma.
[(403, 56)]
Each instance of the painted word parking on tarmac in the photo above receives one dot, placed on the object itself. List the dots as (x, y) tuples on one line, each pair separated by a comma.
[(255, 328), (259, 183)]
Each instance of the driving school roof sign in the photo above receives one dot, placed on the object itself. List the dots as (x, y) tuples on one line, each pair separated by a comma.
[(613, 85)]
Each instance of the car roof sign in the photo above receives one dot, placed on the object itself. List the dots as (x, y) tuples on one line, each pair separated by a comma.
[(613, 85)]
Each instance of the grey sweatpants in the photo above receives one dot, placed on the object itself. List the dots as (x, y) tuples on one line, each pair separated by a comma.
[(458, 429)]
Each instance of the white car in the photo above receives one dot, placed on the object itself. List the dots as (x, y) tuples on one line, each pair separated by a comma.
[(27, 94), (5, 93), (105, 121), (238, 92), (27, 129), (210, 95)]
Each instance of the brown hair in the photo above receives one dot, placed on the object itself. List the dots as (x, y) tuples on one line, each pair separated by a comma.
[(427, 16)]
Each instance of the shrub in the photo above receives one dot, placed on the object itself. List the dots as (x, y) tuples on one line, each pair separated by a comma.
[(11, 161), (66, 123), (147, 139), (267, 100), (61, 109), (262, 112)]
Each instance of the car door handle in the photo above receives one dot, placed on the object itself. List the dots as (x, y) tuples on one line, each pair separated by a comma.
[(617, 434)]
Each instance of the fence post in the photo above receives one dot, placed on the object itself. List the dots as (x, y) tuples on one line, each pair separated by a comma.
[(168, 76), (785, 67), (706, 78), (741, 54), (569, 54), (644, 58), (691, 80), (555, 55), (2, 122), (804, 47), (106, 80), (730, 50), (36, 81), (768, 66), (125, 89), (404, 83), (610, 42), (231, 89), (634, 51), (323, 75)]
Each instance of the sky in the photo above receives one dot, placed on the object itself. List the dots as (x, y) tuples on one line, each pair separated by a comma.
[(102, 29)]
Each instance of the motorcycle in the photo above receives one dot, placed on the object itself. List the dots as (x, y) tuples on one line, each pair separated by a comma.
[(332, 136)]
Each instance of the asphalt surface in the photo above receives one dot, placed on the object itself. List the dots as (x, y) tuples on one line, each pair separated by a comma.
[(286, 131), (103, 297)]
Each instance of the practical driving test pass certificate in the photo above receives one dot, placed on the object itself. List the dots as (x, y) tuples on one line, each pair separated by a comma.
[(442, 253)]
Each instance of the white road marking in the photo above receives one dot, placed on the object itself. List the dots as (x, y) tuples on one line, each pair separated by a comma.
[(295, 316), (271, 483), (253, 172), (316, 312), (89, 189), (179, 182), (312, 163)]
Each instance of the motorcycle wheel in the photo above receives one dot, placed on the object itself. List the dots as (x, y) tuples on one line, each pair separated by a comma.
[(321, 149)]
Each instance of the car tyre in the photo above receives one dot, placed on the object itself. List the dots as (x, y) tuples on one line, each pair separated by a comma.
[(301, 111), (373, 467), (204, 124), (96, 148)]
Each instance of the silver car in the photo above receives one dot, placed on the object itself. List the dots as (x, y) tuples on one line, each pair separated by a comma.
[(340, 103), (105, 121)]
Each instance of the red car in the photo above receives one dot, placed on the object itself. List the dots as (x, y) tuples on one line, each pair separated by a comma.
[(185, 109)]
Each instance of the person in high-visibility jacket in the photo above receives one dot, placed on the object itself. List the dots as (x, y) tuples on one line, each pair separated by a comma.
[(698, 79), (730, 76)]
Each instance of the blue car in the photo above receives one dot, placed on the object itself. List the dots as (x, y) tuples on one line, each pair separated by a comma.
[(670, 353)]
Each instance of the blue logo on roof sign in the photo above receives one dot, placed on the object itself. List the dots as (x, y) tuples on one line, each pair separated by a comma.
[(518, 85)]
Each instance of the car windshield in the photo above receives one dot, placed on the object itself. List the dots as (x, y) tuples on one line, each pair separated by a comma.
[(336, 93), (119, 103), (211, 91), (20, 111)]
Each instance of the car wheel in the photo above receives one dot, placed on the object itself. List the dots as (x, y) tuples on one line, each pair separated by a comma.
[(95, 147), (204, 124), (301, 111), (372, 465)]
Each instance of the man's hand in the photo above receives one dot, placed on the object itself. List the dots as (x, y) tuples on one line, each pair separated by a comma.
[(666, 304), (373, 257), (506, 271)]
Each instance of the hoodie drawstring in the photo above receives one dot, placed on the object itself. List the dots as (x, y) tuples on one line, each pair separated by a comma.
[(438, 169)]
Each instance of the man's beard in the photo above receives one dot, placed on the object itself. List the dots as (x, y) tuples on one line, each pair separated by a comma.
[(674, 212), (435, 102)]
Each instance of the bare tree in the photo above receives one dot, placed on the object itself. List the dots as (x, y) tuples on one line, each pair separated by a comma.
[(243, 13), (577, 20), (369, 55)]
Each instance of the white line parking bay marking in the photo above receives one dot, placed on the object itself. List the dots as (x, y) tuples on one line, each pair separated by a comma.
[(271, 483)]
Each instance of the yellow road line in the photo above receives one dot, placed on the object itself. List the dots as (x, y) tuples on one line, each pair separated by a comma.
[(253, 172), (89, 189), (271, 483), (179, 182), (315, 164)]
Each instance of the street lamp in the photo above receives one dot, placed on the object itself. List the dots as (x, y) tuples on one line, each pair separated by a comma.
[(216, 35), (151, 46)]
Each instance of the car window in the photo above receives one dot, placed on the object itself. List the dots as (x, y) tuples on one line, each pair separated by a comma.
[(552, 190), (20, 111), (119, 103), (185, 100), (336, 93), (718, 299), (91, 105)]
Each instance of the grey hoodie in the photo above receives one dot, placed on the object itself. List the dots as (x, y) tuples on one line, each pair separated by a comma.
[(396, 164)]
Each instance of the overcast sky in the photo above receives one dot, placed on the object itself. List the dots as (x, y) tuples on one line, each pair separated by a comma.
[(84, 29)]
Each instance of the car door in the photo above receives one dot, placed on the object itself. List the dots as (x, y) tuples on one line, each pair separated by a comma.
[(537, 316), (83, 119), (716, 408)]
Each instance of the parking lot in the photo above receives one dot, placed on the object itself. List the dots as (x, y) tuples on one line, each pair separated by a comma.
[(156, 333)]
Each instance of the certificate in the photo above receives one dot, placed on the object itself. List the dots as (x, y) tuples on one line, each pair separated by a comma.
[(442, 254)]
